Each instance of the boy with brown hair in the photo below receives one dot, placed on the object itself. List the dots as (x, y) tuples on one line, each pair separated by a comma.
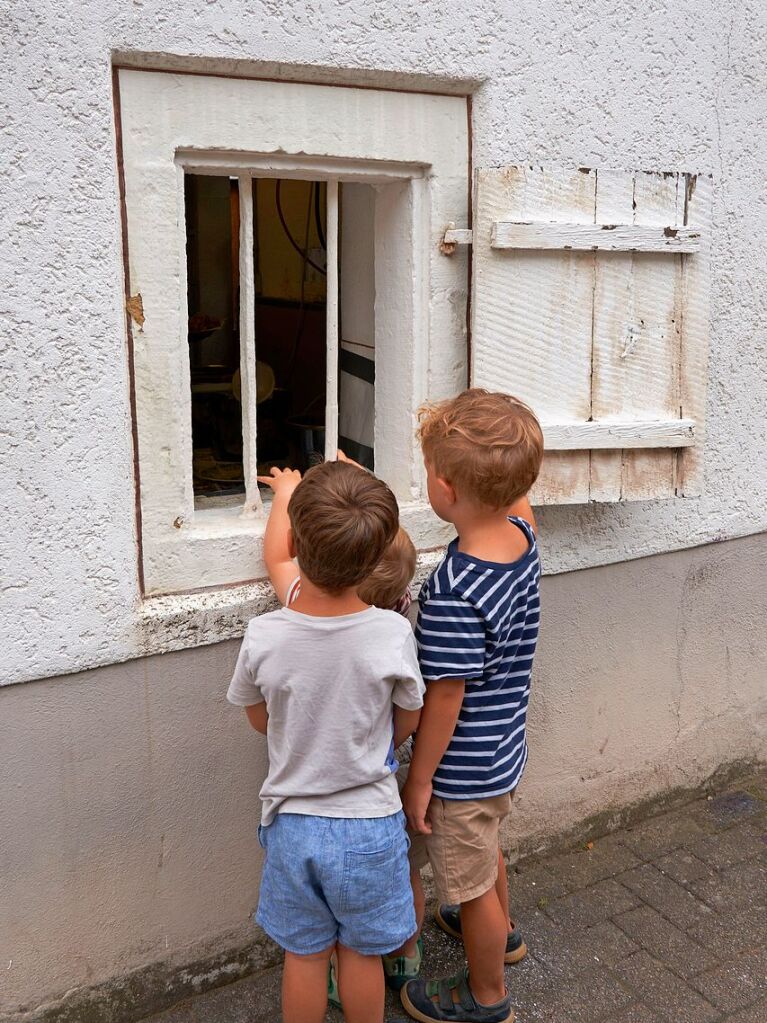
[(477, 631), (334, 684)]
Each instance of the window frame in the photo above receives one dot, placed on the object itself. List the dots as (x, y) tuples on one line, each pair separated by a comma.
[(419, 187)]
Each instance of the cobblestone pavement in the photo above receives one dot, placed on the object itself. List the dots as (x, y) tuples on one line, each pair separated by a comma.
[(663, 921)]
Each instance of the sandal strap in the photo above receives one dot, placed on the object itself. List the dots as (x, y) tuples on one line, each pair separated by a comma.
[(445, 992), (466, 999), (444, 989)]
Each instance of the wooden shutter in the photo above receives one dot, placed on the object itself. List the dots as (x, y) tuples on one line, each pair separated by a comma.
[(590, 303)]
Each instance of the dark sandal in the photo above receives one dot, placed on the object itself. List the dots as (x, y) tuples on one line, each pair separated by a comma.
[(417, 1000), (449, 919)]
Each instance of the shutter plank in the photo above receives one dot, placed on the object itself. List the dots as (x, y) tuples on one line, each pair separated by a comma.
[(612, 301), (531, 321), (603, 236), (637, 328), (695, 190), (649, 378)]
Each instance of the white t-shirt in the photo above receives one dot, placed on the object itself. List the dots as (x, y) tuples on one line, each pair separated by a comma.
[(329, 685)]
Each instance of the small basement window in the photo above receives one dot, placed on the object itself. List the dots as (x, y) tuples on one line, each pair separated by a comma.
[(282, 245)]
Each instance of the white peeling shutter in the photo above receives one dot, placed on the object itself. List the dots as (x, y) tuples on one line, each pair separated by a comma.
[(589, 302)]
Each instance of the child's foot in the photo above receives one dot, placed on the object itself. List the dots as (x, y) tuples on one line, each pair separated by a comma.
[(449, 919), (398, 970), (450, 1000)]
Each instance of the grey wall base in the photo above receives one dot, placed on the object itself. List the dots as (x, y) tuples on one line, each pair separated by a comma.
[(156, 986)]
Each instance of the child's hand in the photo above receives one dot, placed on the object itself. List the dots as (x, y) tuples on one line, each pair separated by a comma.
[(415, 803), (282, 481)]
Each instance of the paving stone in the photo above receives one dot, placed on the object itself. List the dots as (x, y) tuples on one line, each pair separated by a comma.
[(661, 989), (591, 995), (592, 905), (728, 848), (736, 984), (733, 806), (744, 884), (665, 942), (531, 887), (529, 982), (661, 834), (634, 1013), (753, 1014), (567, 951), (582, 867), (759, 826), (683, 867), (734, 931), (676, 903)]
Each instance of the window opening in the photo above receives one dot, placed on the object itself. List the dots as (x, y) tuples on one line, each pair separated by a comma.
[(290, 320), (212, 253), (314, 384)]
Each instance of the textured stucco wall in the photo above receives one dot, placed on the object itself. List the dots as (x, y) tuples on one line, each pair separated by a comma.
[(129, 804), (655, 86)]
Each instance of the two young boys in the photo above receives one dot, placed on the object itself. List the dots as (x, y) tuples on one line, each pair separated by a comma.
[(335, 685)]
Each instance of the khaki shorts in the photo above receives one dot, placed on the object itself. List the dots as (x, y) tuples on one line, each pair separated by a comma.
[(463, 846)]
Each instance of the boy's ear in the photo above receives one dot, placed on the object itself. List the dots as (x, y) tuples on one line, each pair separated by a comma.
[(291, 545), (446, 489)]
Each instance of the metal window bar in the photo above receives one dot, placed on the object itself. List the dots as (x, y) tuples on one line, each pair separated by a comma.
[(253, 504), (331, 323)]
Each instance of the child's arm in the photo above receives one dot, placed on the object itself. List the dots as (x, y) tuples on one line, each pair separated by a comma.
[(258, 717), (405, 723), (440, 712), (279, 564), (521, 508)]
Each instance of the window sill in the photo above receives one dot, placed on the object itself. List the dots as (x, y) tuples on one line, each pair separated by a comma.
[(181, 621), (215, 523)]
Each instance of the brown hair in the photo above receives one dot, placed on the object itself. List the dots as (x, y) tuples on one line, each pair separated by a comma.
[(488, 445), (343, 519), (391, 576)]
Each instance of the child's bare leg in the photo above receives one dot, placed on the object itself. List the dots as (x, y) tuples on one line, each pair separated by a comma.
[(360, 985), (305, 987), (419, 900), (485, 927), (502, 888)]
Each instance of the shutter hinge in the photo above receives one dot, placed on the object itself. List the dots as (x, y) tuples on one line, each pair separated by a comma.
[(454, 236)]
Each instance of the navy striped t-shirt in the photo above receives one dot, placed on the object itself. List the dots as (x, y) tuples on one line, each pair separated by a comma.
[(478, 621)]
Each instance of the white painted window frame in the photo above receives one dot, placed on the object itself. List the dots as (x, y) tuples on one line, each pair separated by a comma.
[(413, 148)]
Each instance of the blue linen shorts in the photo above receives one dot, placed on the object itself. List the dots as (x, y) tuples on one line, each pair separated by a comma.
[(336, 879)]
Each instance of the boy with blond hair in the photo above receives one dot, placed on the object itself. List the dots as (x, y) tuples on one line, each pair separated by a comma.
[(334, 685), (477, 631)]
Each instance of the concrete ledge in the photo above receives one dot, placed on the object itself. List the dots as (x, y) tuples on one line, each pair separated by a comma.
[(160, 985)]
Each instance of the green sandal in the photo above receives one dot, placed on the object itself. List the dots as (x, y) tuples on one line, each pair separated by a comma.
[(398, 970), (333, 996)]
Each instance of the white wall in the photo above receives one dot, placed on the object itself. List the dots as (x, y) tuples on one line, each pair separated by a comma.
[(608, 84)]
